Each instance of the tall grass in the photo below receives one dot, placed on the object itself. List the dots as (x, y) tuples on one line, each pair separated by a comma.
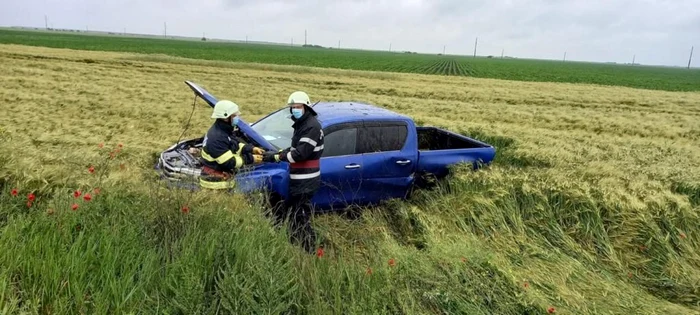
[(590, 207)]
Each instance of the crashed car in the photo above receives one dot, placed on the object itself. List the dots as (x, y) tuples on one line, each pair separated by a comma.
[(371, 154)]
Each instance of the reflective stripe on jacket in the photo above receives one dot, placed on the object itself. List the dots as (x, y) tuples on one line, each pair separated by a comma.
[(222, 151), (304, 155)]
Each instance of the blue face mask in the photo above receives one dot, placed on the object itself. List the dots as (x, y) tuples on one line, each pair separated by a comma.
[(297, 112), (234, 121)]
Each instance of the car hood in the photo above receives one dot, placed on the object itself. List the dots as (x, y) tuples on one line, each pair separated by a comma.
[(242, 125)]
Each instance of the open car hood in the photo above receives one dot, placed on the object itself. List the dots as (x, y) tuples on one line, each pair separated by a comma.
[(242, 125)]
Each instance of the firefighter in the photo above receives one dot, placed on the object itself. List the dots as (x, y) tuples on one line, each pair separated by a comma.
[(222, 153), (304, 170)]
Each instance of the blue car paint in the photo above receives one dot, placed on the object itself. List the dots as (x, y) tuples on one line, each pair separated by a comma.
[(358, 179)]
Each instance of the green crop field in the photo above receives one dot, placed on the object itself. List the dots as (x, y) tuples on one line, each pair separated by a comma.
[(660, 78), (592, 205)]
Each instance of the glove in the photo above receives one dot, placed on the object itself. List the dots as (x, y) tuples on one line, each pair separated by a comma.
[(258, 151), (257, 159), (271, 157), (247, 158)]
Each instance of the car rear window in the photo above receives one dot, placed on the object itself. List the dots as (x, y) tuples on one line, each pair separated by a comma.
[(340, 142), (380, 137)]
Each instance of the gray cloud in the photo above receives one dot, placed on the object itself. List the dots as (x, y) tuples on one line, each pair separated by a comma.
[(657, 31)]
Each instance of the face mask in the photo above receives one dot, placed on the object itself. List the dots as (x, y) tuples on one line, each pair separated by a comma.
[(234, 121), (297, 112)]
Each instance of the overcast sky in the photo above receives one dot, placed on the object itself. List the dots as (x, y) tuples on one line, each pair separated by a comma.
[(656, 31)]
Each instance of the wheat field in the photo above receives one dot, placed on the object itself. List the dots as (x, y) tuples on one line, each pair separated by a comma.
[(591, 206)]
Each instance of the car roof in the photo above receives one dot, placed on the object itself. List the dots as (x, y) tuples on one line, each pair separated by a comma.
[(338, 112)]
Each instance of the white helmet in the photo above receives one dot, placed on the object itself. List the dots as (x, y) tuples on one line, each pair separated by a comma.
[(298, 97), (224, 109)]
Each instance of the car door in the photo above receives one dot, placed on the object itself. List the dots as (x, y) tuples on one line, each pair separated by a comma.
[(341, 168), (388, 159)]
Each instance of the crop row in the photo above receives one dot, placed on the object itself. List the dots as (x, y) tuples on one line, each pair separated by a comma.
[(659, 78)]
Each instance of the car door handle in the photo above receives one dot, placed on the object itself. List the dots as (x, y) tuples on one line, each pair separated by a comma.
[(404, 162), (351, 166)]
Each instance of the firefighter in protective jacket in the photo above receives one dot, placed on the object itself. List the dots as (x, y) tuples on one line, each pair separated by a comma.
[(304, 170), (222, 153)]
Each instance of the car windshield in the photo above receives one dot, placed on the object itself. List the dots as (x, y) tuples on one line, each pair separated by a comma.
[(276, 128)]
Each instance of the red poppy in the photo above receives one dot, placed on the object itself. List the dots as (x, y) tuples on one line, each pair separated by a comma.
[(14, 192), (551, 310), (31, 197), (642, 248), (91, 169), (319, 252), (120, 145), (87, 197), (185, 209), (101, 145), (392, 263), (111, 155), (77, 193), (526, 285), (96, 191), (464, 259), (369, 271), (629, 274), (74, 207), (122, 166), (682, 235), (29, 204)]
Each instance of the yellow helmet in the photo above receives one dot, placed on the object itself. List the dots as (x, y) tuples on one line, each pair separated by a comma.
[(224, 108), (299, 97)]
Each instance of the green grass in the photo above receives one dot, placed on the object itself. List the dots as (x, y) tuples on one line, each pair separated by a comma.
[(646, 77), (591, 206)]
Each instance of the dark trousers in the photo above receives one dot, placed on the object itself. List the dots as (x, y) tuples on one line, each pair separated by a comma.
[(298, 209)]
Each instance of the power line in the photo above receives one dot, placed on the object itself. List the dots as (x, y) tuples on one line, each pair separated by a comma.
[(691, 56)]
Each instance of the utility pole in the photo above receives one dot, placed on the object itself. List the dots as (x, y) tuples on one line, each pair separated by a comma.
[(292, 43), (633, 57), (389, 46), (165, 29), (691, 56), (502, 50), (338, 44), (246, 39), (564, 56), (304, 37), (443, 49), (46, 21), (475, 43)]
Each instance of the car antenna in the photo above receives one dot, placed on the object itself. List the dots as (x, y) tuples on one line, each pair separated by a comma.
[(187, 126)]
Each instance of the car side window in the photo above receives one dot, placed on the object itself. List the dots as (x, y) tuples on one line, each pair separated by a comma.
[(340, 142), (380, 137)]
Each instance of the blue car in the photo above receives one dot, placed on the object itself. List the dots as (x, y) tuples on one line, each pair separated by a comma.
[(371, 154)]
